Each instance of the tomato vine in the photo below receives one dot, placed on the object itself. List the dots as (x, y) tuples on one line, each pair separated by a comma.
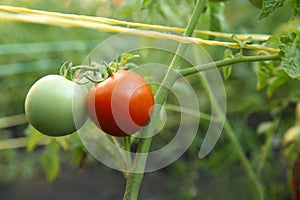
[(285, 50)]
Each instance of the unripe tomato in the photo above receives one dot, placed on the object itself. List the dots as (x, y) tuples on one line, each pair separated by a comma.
[(256, 3), (55, 106), (122, 104)]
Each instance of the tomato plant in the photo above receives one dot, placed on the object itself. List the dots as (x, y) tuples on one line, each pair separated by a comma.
[(121, 104), (50, 105)]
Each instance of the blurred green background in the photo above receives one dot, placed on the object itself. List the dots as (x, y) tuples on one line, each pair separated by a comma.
[(30, 51)]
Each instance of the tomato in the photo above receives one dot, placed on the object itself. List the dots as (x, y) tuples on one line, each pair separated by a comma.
[(122, 104), (55, 106), (256, 3)]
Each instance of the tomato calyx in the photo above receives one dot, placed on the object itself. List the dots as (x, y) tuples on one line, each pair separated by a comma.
[(95, 72)]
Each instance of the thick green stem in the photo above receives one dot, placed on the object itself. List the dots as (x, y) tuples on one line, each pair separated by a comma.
[(135, 179), (222, 63)]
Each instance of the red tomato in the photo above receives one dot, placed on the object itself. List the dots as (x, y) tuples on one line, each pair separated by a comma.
[(122, 104)]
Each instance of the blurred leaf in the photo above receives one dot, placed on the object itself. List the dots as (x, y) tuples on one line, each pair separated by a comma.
[(77, 149), (273, 42), (269, 6), (34, 138), (148, 4), (266, 127), (169, 14), (290, 54), (50, 160), (227, 69), (296, 7), (278, 80), (263, 74), (290, 144), (64, 143), (216, 14)]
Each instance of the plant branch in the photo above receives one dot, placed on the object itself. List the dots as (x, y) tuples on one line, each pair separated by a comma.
[(222, 63)]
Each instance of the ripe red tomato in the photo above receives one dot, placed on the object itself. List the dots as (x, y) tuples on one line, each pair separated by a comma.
[(122, 104)]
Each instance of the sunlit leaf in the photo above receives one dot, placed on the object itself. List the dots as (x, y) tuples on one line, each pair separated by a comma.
[(64, 143)]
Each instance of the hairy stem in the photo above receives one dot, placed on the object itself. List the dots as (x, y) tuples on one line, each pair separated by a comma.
[(222, 63), (135, 179)]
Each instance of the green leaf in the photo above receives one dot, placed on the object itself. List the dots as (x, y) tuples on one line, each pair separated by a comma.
[(275, 82), (266, 127), (125, 57), (296, 7), (216, 16), (242, 42), (227, 69), (269, 6), (169, 14), (148, 4), (290, 54), (34, 138), (77, 149), (50, 160), (263, 74)]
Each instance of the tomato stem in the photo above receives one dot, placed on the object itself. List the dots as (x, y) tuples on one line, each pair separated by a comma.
[(126, 147), (222, 63), (135, 179), (109, 70)]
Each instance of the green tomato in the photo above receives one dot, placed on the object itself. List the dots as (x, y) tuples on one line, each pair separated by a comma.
[(55, 106), (256, 3)]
